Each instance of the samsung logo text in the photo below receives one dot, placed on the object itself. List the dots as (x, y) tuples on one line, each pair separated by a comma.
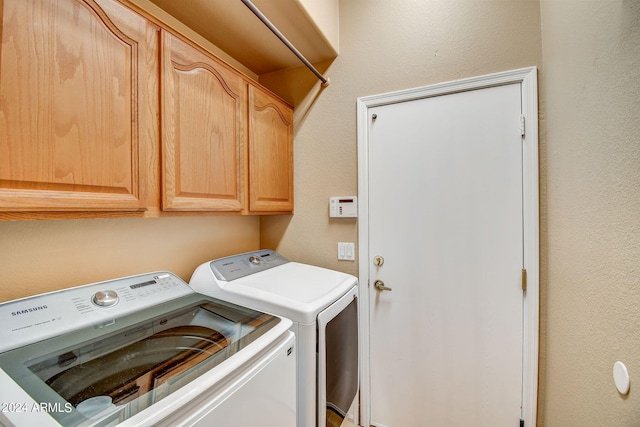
[(29, 310)]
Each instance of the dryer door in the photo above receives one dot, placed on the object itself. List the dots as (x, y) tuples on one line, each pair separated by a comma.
[(337, 359)]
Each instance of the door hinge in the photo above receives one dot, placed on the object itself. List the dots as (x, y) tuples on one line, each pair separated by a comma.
[(524, 279), (522, 124), (521, 422)]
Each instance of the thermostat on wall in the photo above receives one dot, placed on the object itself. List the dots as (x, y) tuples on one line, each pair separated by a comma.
[(344, 207)]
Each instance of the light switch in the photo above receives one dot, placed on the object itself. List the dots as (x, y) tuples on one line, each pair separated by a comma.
[(346, 251)]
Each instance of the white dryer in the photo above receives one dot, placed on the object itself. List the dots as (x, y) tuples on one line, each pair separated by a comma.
[(323, 306)]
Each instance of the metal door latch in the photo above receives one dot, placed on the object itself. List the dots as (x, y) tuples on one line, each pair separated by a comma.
[(379, 285)]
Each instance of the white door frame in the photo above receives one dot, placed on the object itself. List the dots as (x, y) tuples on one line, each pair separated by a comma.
[(527, 78)]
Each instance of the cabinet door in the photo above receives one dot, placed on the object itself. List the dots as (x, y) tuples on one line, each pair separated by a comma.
[(203, 111), (74, 105), (270, 153)]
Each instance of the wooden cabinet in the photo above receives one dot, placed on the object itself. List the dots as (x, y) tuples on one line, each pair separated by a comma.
[(203, 114), (76, 105), (270, 153), (103, 110), (204, 137)]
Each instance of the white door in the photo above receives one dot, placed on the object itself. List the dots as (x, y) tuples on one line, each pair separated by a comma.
[(445, 206)]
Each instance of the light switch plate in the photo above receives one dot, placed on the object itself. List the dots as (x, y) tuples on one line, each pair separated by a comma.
[(346, 251)]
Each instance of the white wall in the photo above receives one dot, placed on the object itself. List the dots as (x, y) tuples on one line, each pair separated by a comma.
[(43, 256), (591, 90)]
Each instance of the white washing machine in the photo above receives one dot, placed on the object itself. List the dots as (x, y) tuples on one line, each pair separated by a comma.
[(323, 306), (143, 350)]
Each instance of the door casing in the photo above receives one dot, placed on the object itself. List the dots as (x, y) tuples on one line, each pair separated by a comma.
[(527, 78)]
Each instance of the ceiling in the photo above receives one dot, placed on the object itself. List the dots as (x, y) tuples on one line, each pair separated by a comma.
[(232, 27)]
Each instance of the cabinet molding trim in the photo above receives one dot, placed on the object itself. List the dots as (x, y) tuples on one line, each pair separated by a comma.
[(202, 65)]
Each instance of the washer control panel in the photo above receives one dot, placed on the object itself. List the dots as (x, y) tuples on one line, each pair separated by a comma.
[(36, 318), (237, 266)]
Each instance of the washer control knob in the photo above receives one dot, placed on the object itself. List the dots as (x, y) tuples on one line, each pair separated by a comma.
[(254, 260), (105, 298)]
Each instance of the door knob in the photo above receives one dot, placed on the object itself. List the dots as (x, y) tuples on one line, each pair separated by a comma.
[(379, 284)]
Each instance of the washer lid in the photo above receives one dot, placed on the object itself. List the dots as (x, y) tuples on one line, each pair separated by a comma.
[(294, 290), (104, 375)]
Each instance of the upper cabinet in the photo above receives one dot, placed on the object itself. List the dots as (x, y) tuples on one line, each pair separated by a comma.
[(203, 114), (210, 115), (77, 99), (107, 110), (270, 153)]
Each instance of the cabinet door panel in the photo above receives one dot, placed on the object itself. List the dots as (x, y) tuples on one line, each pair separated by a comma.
[(270, 153), (69, 113), (204, 105)]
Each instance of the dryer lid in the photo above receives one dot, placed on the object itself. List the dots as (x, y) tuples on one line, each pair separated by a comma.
[(300, 283), (293, 290), (266, 281)]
